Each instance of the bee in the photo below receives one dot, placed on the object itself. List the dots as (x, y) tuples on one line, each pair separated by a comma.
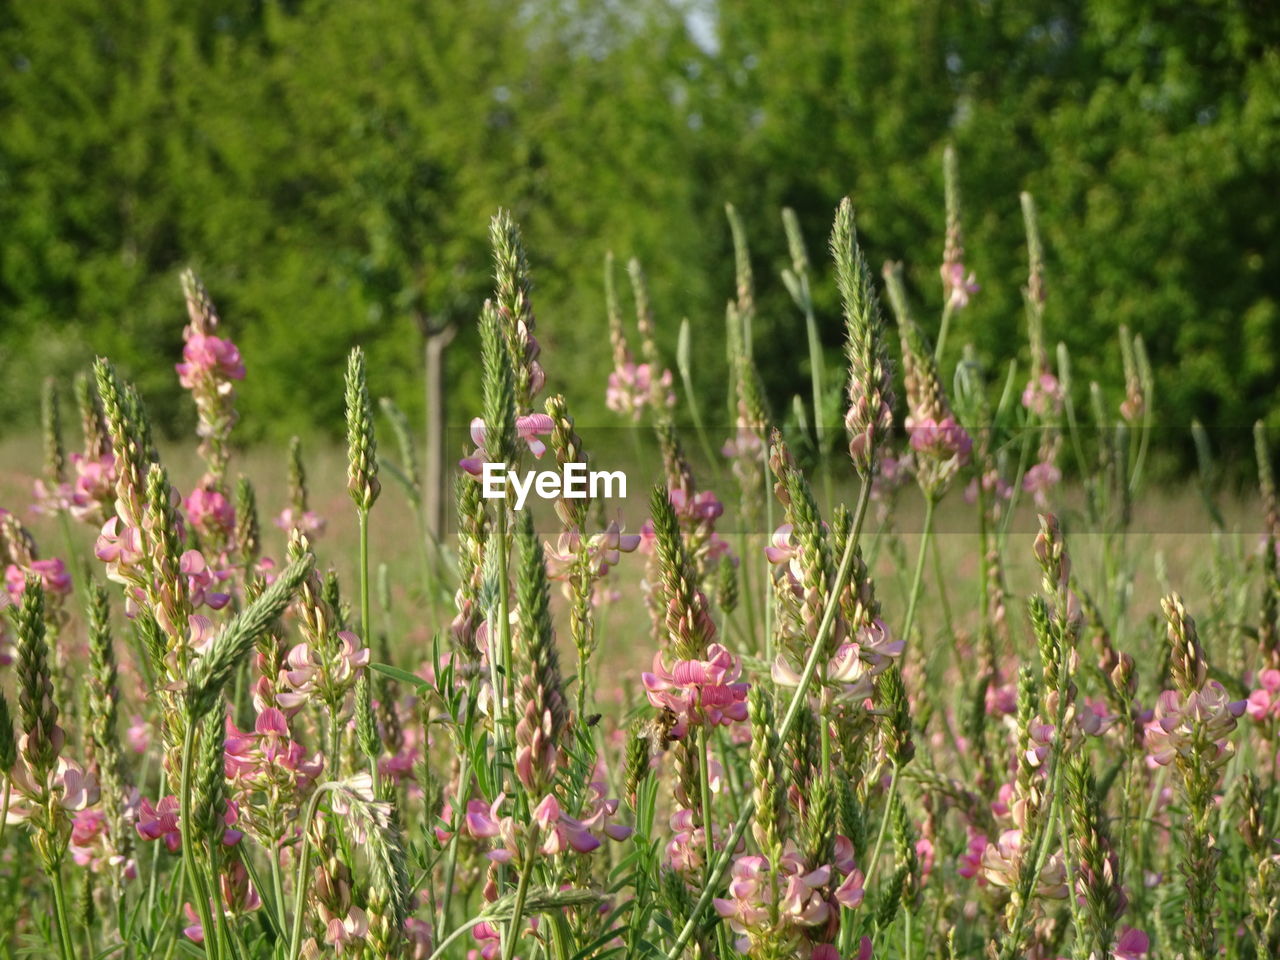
[(657, 731)]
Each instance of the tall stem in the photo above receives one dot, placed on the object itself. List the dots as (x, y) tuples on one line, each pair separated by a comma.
[(200, 892), (504, 616), (788, 721), (364, 576), (914, 598), (947, 311), (60, 912), (451, 863), (304, 864), (522, 892), (884, 822), (4, 809)]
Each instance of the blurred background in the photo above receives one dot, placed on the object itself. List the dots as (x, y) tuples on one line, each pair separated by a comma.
[(330, 167)]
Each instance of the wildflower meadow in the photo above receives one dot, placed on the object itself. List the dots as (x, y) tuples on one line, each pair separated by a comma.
[(756, 708)]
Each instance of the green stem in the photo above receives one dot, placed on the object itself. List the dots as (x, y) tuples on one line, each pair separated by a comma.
[(304, 864), (448, 941), (1048, 829), (4, 809), (451, 862), (504, 616), (788, 721), (943, 327), (884, 823), (364, 576), (815, 375), (60, 912), (522, 892), (277, 887), (200, 891), (704, 789), (914, 598)]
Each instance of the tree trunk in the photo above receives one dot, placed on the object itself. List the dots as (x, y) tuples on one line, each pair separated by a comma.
[(436, 337)]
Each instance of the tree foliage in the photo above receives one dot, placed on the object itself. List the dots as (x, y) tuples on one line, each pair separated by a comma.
[(330, 169)]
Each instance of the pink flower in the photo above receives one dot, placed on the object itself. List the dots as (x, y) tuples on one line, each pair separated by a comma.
[(943, 438), (118, 544), (160, 822), (992, 484), (138, 735), (956, 287), (418, 933), (95, 484), (210, 512), (1264, 702), (1043, 395), (1131, 945), (1001, 865), (560, 833), (52, 498), (701, 506), (204, 355), (346, 934), (268, 755), (746, 444), (970, 862), (631, 387), (52, 575), (604, 551), (781, 549), (309, 673), (1095, 718), (1177, 723), (699, 691), (1039, 480), (528, 429), (483, 822), (490, 939), (201, 579), (309, 522), (854, 665)]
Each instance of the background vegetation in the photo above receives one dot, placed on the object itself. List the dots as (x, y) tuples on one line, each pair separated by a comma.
[(330, 168)]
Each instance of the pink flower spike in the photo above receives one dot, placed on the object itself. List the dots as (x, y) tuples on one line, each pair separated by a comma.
[(1132, 945), (482, 822)]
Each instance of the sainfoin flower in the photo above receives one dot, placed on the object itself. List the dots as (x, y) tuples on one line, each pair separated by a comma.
[(1131, 945), (210, 511), (73, 787), (203, 355), (528, 428), (1002, 860), (310, 672), (308, 521), (853, 666), (1043, 395), (268, 755), (958, 287), (119, 546), (201, 579), (807, 898), (1264, 701), (1039, 480), (699, 691), (53, 576), (604, 551), (631, 388), (1207, 712), (943, 438), (90, 846)]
